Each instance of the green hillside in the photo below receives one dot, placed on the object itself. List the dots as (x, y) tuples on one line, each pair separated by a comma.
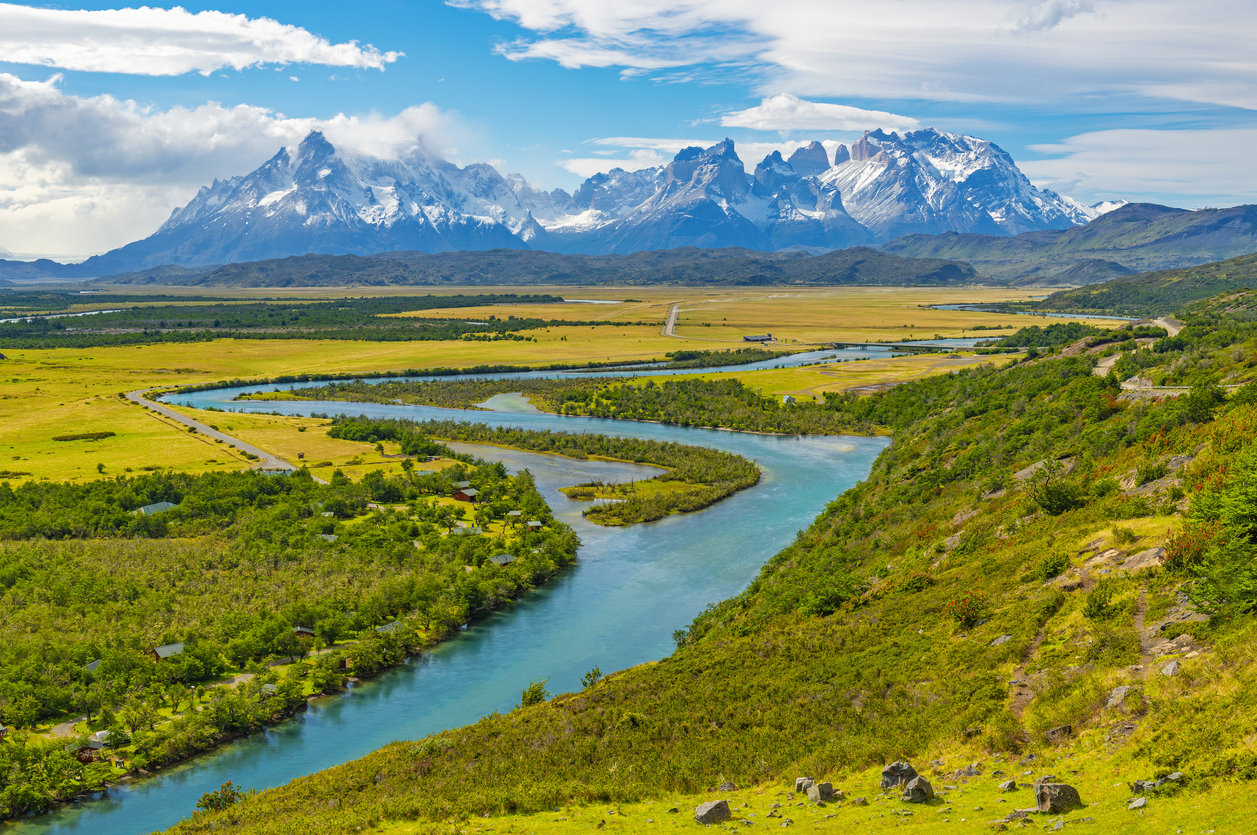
[(985, 591), (685, 265), (1134, 238), (1157, 293)]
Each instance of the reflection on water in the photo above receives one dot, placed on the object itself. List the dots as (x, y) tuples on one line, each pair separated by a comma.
[(618, 606)]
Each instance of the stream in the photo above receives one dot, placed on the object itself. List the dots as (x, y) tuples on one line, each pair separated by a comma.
[(617, 607)]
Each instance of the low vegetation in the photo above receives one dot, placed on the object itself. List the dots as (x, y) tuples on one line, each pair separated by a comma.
[(1002, 537), (94, 576), (697, 477)]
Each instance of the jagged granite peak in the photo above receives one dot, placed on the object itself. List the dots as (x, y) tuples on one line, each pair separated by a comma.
[(930, 182), (317, 198), (774, 172), (810, 160)]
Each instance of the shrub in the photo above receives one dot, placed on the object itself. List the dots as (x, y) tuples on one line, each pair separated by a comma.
[(1123, 535), (1099, 603), (226, 796), (1053, 565), (1151, 471), (1104, 487), (1186, 547), (534, 694), (968, 610)]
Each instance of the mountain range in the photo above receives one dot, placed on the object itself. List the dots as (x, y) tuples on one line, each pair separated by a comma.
[(1133, 238), (317, 198)]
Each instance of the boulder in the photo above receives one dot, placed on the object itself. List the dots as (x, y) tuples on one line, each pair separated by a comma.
[(1138, 803), (1059, 734), (897, 774), (1119, 695), (1001, 640), (717, 811), (918, 790), (820, 792), (1056, 797), (1150, 558), (971, 770), (727, 787), (802, 784), (1008, 786), (860, 801), (1170, 669)]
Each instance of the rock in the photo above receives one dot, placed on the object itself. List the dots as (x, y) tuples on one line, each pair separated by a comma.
[(727, 787), (1170, 669), (1059, 734), (1056, 797), (1046, 778), (1008, 786), (1138, 803), (1058, 826), (897, 773), (717, 811), (860, 801), (1017, 814), (1176, 777), (1001, 640), (971, 770), (1141, 786), (801, 784), (1027, 759), (820, 792), (918, 790), (1119, 695), (997, 772), (1150, 558)]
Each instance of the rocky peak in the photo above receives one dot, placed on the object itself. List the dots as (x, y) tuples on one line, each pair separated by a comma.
[(774, 172), (716, 169), (811, 160), (863, 150)]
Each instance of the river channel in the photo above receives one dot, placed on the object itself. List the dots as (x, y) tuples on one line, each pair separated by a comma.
[(617, 607)]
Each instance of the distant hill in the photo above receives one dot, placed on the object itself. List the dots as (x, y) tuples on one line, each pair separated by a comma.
[(1137, 237), (687, 265), (1164, 291)]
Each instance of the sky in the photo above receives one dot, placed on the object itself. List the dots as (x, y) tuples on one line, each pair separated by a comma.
[(112, 116)]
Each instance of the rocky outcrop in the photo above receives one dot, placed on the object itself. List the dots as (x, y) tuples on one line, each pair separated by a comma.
[(717, 811), (1056, 798), (897, 773)]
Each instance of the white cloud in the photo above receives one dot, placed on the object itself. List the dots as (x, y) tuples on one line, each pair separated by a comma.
[(1182, 167), (784, 112), (149, 41), (81, 175), (958, 50)]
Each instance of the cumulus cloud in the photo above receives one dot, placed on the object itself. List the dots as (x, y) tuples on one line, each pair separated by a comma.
[(784, 112), (950, 50), (1182, 167), (149, 41), (82, 175)]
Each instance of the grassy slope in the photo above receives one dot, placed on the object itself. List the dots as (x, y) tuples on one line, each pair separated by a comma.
[(1158, 292), (1140, 236), (842, 655)]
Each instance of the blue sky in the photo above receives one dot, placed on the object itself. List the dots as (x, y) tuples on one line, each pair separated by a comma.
[(110, 119)]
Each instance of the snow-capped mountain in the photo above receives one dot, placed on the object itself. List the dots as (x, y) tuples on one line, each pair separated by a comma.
[(4, 253), (316, 198), (931, 182), (882, 187)]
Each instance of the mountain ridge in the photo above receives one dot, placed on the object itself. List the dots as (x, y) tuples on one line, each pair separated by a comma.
[(317, 198)]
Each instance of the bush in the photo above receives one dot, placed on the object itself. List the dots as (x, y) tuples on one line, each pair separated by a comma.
[(1104, 487), (534, 694), (968, 610), (226, 796), (1053, 565), (1099, 603), (1123, 535), (1151, 471)]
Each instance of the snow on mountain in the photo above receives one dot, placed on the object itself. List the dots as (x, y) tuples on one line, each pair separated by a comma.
[(931, 182), (321, 199), (4, 253), (317, 198)]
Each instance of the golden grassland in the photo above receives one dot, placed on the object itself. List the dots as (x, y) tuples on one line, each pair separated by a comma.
[(44, 393), (804, 315), (814, 380)]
